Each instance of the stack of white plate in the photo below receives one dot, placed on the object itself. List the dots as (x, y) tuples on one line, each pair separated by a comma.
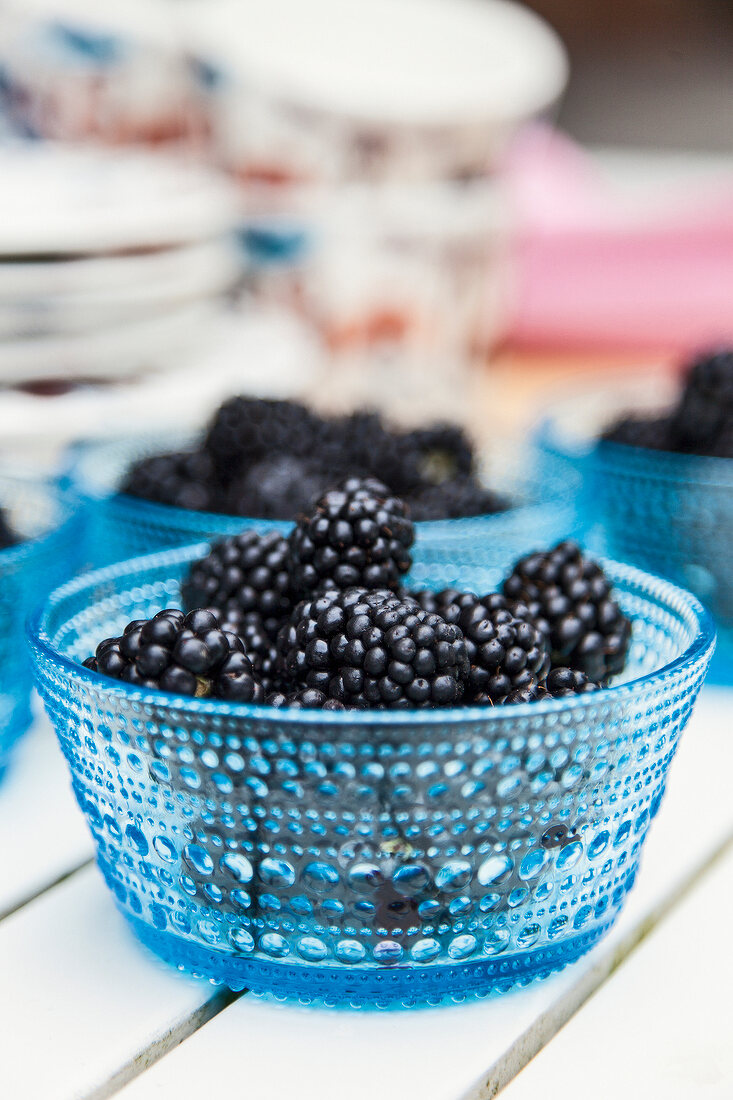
[(266, 352), (112, 262)]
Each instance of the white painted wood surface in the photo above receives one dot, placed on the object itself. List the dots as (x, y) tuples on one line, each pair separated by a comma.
[(669, 1014), (87, 1013), (42, 834)]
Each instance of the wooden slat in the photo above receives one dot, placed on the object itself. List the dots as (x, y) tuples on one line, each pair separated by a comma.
[(82, 1003), (42, 831), (662, 1025), (260, 1048)]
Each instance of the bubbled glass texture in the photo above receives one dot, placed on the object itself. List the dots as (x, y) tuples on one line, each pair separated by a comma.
[(367, 857), (122, 526), (672, 515), (50, 527)]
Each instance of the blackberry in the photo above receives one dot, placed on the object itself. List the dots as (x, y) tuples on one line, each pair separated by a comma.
[(183, 479), (653, 434), (360, 445), (303, 699), (457, 498), (506, 652), (357, 534), (259, 643), (247, 429), (442, 452), (248, 572), (8, 536), (705, 406), (447, 602), (450, 603), (185, 654), (371, 649), (723, 445), (569, 597), (278, 487), (560, 683)]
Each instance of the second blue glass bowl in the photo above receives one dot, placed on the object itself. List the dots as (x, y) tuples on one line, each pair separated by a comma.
[(671, 514), (121, 526), (367, 857), (49, 525)]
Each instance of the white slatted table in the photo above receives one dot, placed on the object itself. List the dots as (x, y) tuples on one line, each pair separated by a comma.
[(87, 1014)]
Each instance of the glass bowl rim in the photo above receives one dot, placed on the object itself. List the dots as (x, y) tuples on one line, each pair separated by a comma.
[(681, 466), (702, 644)]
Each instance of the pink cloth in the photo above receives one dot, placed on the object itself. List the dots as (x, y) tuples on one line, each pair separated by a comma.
[(597, 267)]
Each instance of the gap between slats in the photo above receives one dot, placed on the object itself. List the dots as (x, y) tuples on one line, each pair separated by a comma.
[(164, 1044), (17, 905)]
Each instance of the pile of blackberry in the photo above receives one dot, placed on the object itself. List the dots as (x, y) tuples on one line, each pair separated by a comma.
[(322, 620), (701, 423), (270, 459)]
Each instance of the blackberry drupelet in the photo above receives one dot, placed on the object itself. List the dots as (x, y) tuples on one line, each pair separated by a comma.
[(303, 699), (560, 683), (357, 534), (248, 572), (705, 406), (183, 479), (184, 654), (371, 649), (247, 429), (569, 597)]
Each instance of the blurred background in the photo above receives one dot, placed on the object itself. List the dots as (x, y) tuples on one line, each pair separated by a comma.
[(452, 208)]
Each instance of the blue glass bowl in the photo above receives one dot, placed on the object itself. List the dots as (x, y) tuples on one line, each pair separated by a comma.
[(50, 525), (671, 514), (367, 857), (123, 526)]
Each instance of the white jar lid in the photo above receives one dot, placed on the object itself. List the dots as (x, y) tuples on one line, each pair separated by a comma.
[(424, 63)]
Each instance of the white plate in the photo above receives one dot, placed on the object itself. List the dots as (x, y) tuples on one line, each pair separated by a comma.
[(47, 315), (111, 353), (72, 200), (112, 274)]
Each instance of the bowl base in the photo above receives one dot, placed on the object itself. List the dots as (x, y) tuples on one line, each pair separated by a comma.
[(394, 985)]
